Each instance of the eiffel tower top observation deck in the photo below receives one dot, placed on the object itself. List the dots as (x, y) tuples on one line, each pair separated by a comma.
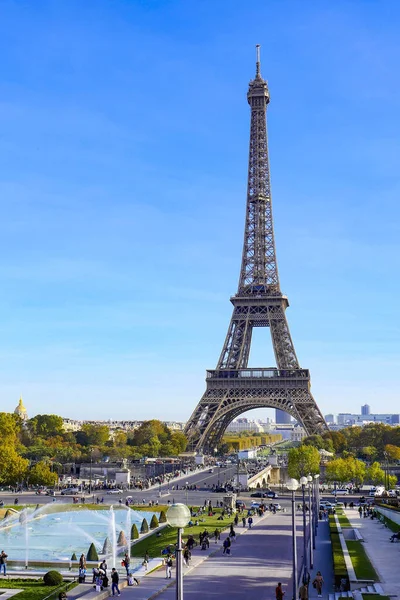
[(232, 388)]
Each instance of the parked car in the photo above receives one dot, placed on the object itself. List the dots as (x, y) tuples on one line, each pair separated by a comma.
[(341, 492), (259, 495), (220, 490), (115, 491), (276, 506), (339, 505), (211, 470), (255, 505), (50, 493), (70, 491)]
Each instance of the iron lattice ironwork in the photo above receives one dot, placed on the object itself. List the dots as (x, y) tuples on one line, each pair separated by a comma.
[(233, 388)]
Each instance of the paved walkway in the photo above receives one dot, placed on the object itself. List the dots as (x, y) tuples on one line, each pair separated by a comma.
[(384, 555), (323, 560), (260, 558)]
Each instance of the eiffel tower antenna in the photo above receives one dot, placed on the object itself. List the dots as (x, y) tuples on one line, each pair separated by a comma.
[(233, 388), (258, 74)]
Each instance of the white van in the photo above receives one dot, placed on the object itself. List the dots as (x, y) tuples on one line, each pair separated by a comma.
[(379, 490)]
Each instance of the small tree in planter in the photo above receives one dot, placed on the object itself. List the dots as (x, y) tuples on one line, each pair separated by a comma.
[(134, 532), (92, 553), (163, 518), (144, 527), (154, 522), (73, 557)]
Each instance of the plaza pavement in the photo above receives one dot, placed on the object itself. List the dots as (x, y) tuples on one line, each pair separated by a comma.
[(384, 555), (259, 559)]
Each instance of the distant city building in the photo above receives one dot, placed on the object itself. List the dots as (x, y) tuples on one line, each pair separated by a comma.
[(282, 417), (348, 419), (298, 433), (75, 425), (365, 409), (243, 424), (330, 419), (21, 410)]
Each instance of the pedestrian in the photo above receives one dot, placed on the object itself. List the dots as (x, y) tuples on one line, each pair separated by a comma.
[(303, 592), (186, 556), (250, 522), (127, 562), (360, 511), (244, 521), (279, 593), (227, 546), (103, 566), (168, 567), (82, 561), (3, 562), (114, 582), (146, 560), (217, 535), (318, 583)]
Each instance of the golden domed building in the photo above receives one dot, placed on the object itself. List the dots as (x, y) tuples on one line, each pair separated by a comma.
[(21, 410)]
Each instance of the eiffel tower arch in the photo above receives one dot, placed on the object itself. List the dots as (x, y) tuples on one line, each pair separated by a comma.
[(233, 388)]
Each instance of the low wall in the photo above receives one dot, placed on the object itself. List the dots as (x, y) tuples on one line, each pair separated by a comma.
[(393, 515)]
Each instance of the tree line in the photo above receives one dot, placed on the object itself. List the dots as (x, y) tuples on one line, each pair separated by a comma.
[(36, 450)]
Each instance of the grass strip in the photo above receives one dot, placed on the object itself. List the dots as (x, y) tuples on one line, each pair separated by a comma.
[(361, 563), (33, 589), (154, 543), (395, 527), (339, 564), (343, 520), (373, 597)]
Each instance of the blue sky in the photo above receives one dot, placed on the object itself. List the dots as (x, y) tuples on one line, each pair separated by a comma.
[(123, 162)]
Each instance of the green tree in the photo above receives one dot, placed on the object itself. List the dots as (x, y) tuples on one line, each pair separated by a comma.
[(41, 474), (96, 435), (314, 440), (13, 467), (154, 522), (391, 481), (144, 528), (375, 474), (302, 461), (392, 451), (46, 426)]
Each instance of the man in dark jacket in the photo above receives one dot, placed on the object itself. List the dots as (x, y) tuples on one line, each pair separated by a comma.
[(115, 581)]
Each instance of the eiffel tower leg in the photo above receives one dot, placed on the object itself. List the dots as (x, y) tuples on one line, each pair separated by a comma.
[(285, 353)]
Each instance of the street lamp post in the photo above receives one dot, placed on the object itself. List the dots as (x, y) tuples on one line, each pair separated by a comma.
[(310, 520), (187, 485), (292, 486), (178, 515), (316, 507), (303, 483), (91, 463)]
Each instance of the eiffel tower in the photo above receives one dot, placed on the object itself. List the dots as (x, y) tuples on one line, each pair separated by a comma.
[(233, 388)]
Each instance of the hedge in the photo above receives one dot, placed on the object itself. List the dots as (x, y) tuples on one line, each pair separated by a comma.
[(92, 553), (52, 578), (163, 518)]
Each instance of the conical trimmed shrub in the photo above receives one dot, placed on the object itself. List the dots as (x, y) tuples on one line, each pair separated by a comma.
[(92, 553), (107, 547), (134, 532), (154, 522), (122, 539), (163, 517), (144, 527), (73, 557)]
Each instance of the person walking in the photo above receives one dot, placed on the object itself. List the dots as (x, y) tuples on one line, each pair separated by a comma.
[(114, 582), (244, 521), (279, 593), (303, 592), (146, 560), (227, 546), (250, 522), (318, 583), (3, 562), (168, 567), (186, 556), (82, 562)]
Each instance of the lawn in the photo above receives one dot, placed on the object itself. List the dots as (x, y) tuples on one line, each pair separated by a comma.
[(343, 520), (339, 565), (361, 563), (34, 589), (154, 544), (374, 597), (395, 527)]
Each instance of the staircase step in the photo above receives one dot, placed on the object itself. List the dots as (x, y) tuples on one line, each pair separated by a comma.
[(331, 597), (338, 595), (364, 590), (378, 589), (371, 589)]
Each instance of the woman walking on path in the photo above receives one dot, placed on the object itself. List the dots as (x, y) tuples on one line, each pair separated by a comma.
[(318, 583)]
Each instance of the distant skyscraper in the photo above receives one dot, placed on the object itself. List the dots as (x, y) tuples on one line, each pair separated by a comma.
[(282, 417), (365, 409)]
